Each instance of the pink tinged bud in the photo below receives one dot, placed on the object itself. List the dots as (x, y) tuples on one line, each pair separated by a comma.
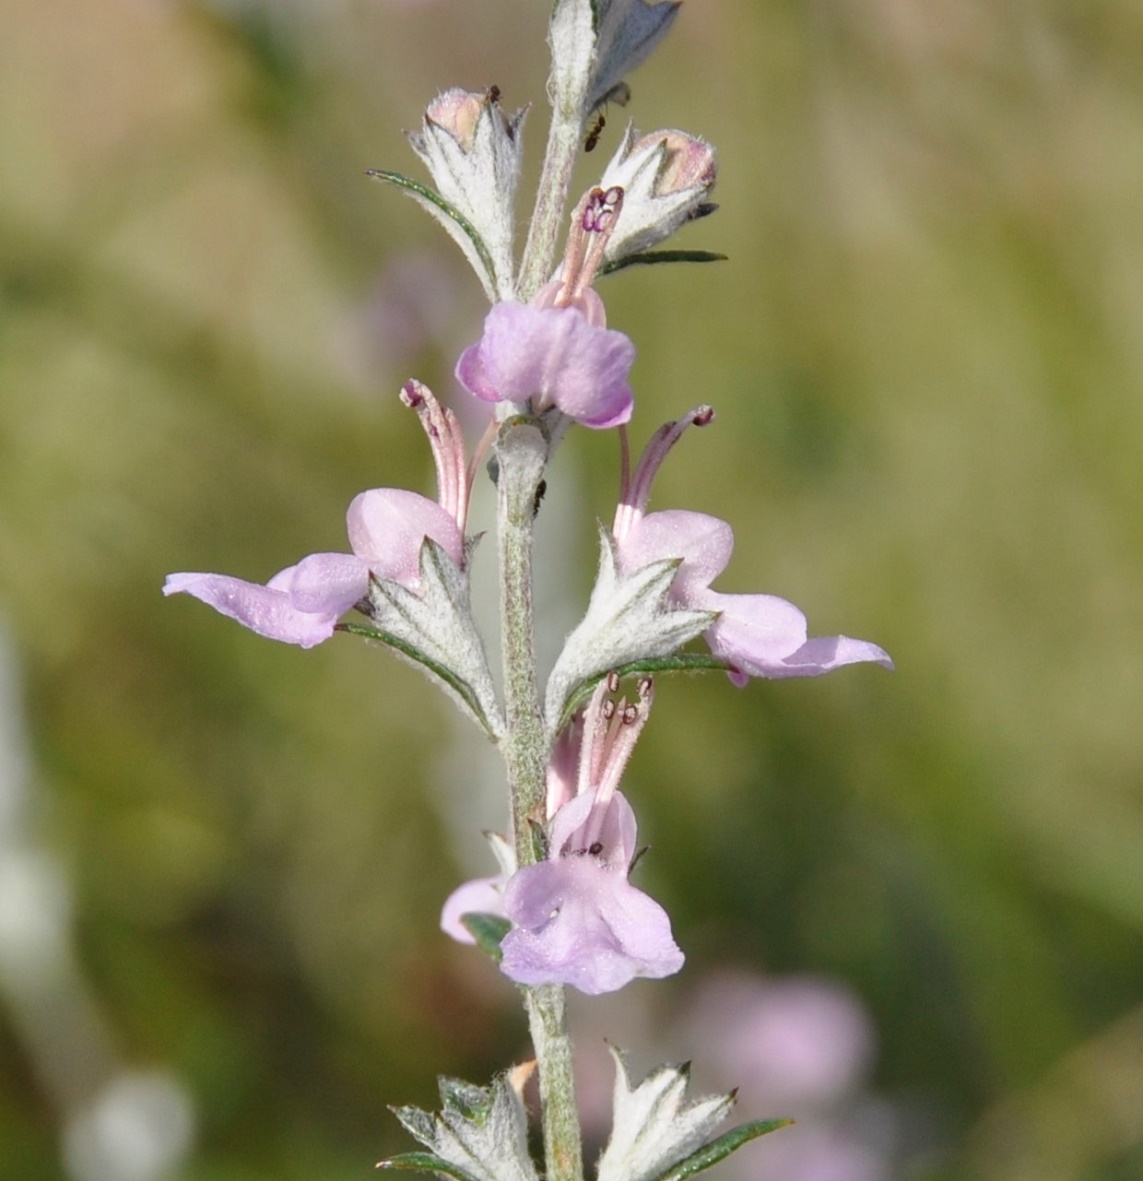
[(667, 177), (551, 357), (457, 112), (578, 919), (473, 151), (688, 162), (662, 164)]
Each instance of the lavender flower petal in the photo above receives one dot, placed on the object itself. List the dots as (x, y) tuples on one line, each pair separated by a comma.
[(581, 922), (387, 527), (553, 357), (703, 542), (267, 610), (760, 635), (765, 636), (325, 583), (301, 604), (578, 919)]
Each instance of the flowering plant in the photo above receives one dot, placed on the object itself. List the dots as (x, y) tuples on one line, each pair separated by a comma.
[(563, 910)]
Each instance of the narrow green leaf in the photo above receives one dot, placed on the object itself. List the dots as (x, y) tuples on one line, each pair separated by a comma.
[(461, 688), (716, 1150), (681, 662), (652, 257), (432, 197), (488, 930), (425, 1162)]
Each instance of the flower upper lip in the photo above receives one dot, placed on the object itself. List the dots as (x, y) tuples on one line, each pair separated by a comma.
[(551, 357)]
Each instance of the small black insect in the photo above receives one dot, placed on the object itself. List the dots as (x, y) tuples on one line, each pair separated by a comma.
[(595, 132), (493, 94), (620, 94)]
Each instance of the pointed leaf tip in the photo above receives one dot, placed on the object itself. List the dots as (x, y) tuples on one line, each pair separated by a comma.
[(653, 257), (425, 1162), (717, 1150)]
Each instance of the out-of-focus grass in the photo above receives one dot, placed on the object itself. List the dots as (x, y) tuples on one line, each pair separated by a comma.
[(925, 356)]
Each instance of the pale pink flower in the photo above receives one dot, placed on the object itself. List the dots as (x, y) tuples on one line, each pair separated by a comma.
[(757, 635), (387, 528), (578, 919), (557, 352)]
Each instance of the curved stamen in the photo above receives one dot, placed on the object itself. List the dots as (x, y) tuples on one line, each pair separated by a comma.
[(636, 491), (454, 481)]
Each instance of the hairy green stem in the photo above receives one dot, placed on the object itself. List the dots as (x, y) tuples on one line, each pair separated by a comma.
[(564, 138), (573, 52), (547, 1021), (521, 453)]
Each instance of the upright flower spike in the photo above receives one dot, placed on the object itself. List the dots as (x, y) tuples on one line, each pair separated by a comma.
[(579, 921), (667, 178), (757, 635), (557, 352)]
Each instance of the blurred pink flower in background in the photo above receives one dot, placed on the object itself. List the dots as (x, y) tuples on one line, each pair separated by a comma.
[(798, 1040), (798, 1046)]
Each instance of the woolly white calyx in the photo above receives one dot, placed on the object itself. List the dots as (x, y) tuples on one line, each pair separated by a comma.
[(481, 1133), (628, 619), (655, 1128)]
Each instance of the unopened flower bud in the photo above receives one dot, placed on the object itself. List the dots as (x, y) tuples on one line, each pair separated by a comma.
[(457, 112), (689, 161), (473, 151), (666, 178)]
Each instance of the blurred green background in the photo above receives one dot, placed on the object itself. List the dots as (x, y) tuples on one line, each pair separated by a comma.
[(222, 859)]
